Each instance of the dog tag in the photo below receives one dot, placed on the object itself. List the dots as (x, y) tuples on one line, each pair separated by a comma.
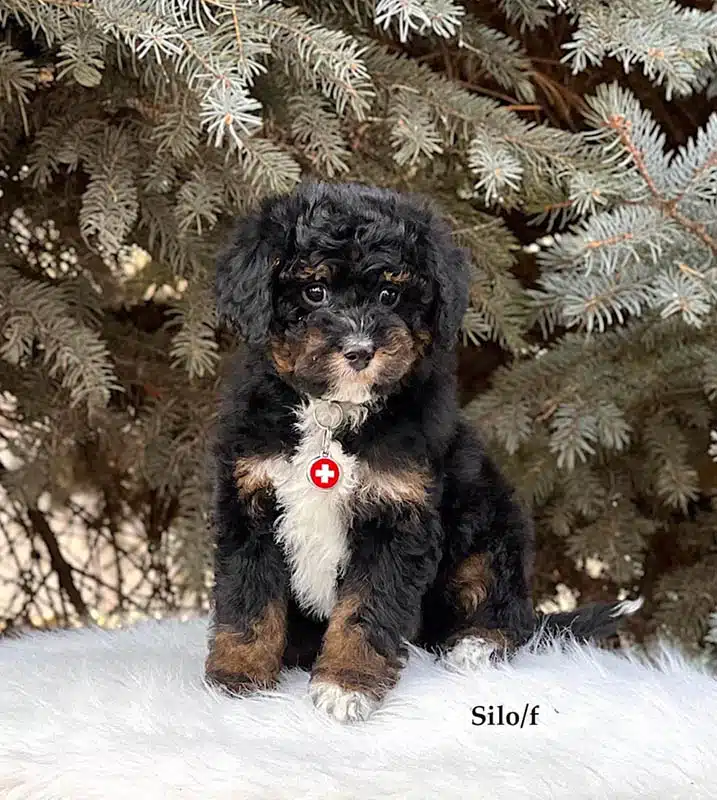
[(324, 472)]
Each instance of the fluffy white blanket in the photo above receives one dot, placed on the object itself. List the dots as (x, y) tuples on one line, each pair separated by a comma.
[(95, 714)]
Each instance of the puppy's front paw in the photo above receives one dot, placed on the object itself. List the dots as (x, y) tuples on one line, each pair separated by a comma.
[(237, 683), (240, 662), (343, 705)]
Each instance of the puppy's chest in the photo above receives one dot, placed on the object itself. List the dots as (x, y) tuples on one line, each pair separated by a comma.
[(313, 523)]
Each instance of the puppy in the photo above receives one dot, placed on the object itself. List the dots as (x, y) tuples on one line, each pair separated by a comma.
[(354, 509)]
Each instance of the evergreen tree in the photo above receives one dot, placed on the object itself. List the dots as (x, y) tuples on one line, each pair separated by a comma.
[(569, 142)]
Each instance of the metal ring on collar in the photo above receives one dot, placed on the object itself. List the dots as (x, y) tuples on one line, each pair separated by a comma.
[(334, 411)]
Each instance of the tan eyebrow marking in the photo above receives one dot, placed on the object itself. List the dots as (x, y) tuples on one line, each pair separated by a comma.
[(316, 272), (397, 277)]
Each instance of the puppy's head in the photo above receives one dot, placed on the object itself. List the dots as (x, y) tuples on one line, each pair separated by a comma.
[(349, 288)]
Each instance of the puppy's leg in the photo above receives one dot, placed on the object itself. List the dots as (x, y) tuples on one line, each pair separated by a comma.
[(491, 610), (250, 592), (482, 607), (362, 653)]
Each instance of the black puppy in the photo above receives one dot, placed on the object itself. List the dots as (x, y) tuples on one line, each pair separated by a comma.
[(355, 510)]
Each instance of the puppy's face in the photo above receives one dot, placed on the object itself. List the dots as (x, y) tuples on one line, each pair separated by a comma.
[(349, 326), (348, 288)]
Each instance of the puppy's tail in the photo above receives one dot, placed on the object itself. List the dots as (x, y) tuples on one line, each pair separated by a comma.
[(593, 621)]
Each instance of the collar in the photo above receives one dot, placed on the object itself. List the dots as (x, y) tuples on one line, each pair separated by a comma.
[(330, 415)]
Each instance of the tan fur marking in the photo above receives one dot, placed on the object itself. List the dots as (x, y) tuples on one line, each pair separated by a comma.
[(397, 277), (250, 660), (348, 660), (421, 340), (251, 475), (296, 356), (282, 355), (311, 357), (400, 342), (390, 362), (308, 350), (314, 272), (399, 486), (253, 481), (471, 581)]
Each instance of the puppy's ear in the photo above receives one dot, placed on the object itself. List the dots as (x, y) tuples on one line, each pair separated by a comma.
[(244, 282), (450, 269)]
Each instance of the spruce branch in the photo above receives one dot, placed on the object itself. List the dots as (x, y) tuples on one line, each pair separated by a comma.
[(498, 169), (328, 60), (709, 373), (498, 301), (176, 126), (694, 167), (74, 353), (499, 311), (17, 76), (158, 177), (110, 202), (528, 14), (684, 599), (672, 43), (267, 167), (414, 132), (194, 346), (86, 142), (584, 492), (163, 31), (676, 481), (199, 201), (656, 248), (228, 110), (501, 56), (63, 570), (460, 114), (618, 538), (186, 254), (48, 19), (668, 206), (573, 435), (442, 17), (318, 132), (82, 52)]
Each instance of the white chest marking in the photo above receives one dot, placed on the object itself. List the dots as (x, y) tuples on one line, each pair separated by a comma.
[(313, 524)]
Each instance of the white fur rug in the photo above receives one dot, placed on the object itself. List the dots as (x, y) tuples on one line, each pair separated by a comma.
[(92, 714)]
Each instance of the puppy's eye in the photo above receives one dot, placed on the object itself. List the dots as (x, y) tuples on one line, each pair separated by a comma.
[(388, 296), (315, 294)]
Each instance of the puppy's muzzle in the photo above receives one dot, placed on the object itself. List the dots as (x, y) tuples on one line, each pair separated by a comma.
[(358, 355)]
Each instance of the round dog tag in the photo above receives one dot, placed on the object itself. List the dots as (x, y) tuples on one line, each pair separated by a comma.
[(324, 472)]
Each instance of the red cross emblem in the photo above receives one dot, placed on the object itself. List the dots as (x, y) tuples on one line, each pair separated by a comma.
[(324, 473)]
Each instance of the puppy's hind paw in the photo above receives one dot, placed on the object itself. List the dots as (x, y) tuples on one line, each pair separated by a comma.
[(470, 653), (343, 705)]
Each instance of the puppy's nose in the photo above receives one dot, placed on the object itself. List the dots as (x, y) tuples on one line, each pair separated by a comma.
[(359, 355)]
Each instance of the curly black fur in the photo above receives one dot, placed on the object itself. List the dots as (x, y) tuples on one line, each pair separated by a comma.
[(430, 568)]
